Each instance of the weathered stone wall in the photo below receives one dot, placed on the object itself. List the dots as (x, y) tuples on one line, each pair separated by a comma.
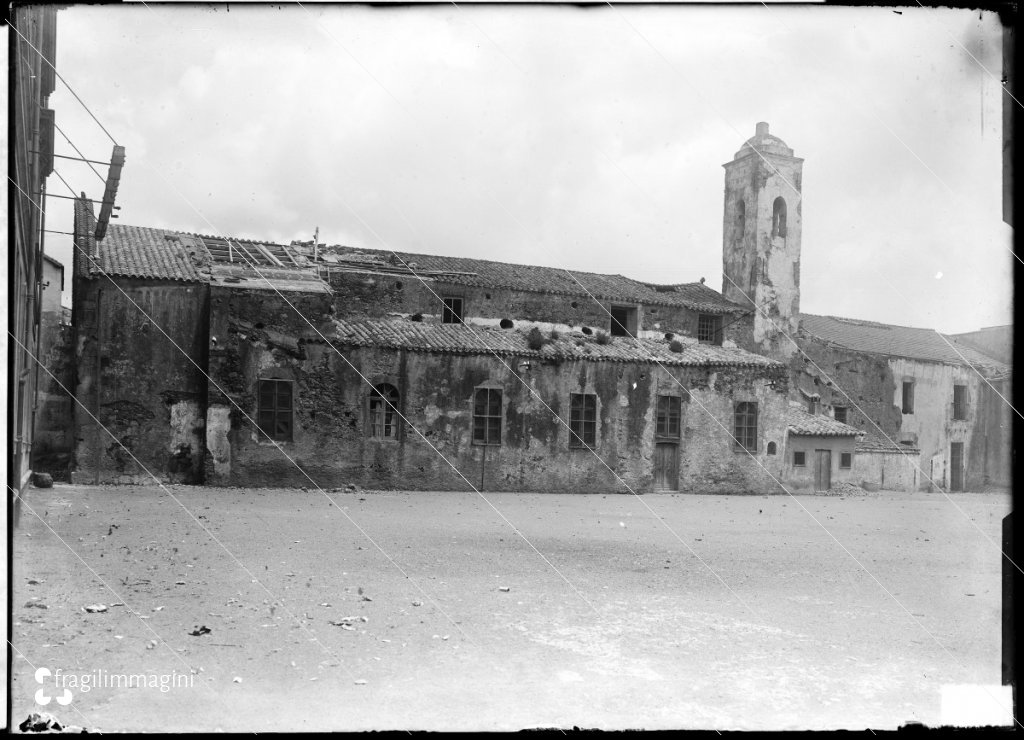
[(141, 387), (377, 295), (890, 471), (862, 383), (802, 478), (331, 444)]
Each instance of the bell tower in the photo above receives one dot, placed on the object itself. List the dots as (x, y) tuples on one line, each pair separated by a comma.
[(761, 238)]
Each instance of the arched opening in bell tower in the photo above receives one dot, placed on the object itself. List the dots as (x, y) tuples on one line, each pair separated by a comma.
[(779, 217)]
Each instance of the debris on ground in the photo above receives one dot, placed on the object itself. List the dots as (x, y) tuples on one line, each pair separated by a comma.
[(42, 480), (237, 679), (505, 589), (203, 630), (151, 644), (360, 682), (843, 488), (94, 608), (417, 603), (37, 604), (34, 582)]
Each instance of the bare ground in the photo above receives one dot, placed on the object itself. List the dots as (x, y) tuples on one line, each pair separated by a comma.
[(611, 621)]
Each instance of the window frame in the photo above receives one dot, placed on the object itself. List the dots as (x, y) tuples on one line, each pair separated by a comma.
[(269, 418), (582, 420), (449, 314), (845, 460), (716, 327), (799, 458), (483, 417), (743, 430), (845, 414), (377, 408), (959, 404), (664, 417)]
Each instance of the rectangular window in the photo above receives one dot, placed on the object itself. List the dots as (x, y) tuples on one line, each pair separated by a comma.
[(908, 396), (709, 329), (840, 414), (959, 402), (669, 408), (582, 419), (384, 411), (799, 459), (275, 409), (452, 313), (845, 460), (487, 416), (746, 425), (623, 321)]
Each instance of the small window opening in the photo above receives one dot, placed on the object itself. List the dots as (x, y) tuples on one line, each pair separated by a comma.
[(779, 217), (959, 402), (908, 396), (799, 459), (506, 324), (845, 460), (840, 414), (452, 313), (623, 323), (741, 217), (771, 448)]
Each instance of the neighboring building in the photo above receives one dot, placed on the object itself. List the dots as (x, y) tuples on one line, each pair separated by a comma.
[(820, 451), (32, 82), (53, 441), (912, 388)]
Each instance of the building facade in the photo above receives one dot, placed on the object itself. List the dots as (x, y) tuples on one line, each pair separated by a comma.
[(236, 362)]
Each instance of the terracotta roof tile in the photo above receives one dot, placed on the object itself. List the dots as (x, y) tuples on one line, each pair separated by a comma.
[(473, 339), (802, 423), (487, 273)]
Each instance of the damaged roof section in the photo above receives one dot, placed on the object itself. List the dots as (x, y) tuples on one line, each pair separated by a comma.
[(160, 254), (403, 333), (872, 442), (896, 341), (802, 423), (533, 278)]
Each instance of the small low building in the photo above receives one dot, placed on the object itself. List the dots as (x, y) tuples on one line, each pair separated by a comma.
[(819, 453)]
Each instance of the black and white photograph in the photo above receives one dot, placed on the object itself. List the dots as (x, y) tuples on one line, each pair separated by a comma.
[(481, 367)]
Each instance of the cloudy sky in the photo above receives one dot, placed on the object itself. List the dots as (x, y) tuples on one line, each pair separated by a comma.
[(589, 139)]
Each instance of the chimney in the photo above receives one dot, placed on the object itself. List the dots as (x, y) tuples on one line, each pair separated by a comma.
[(813, 404), (762, 130)]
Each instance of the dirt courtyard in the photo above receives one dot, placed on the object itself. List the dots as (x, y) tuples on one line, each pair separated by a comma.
[(396, 610)]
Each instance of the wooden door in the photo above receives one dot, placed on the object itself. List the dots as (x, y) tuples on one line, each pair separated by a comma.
[(823, 470), (666, 466), (956, 466)]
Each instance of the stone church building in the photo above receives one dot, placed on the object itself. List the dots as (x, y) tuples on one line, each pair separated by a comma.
[(237, 362)]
